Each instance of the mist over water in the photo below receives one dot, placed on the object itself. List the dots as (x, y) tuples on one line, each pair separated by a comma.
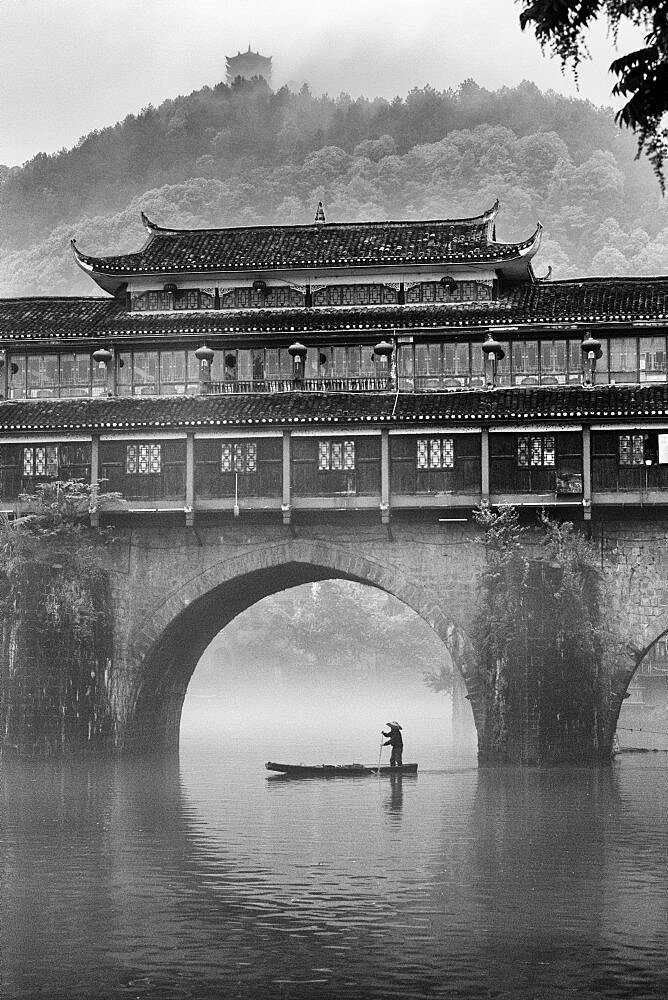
[(206, 876)]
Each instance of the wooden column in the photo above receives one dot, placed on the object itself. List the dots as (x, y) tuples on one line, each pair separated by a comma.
[(286, 505), (95, 479), (484, 465), (586, 473), (5, 375), (112, 374), (190, 480), (385, 477)]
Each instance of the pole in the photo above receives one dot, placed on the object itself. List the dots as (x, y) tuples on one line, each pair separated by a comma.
[(380, 754)]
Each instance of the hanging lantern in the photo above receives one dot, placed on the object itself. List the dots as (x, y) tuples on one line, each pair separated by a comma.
[(591, 347), (297, 351), (204, 354), (102, 356), (383, 349), (492, 350)]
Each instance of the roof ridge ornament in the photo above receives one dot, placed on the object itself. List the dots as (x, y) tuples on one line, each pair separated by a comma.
[(319, 215)]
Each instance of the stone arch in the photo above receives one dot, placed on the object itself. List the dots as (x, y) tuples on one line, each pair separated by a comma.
[(166, 649), (628, 662)]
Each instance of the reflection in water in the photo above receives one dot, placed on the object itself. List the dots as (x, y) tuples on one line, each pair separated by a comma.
[(394, 802), (160, 879)]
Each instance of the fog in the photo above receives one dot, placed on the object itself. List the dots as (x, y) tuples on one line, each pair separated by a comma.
[(73, 66), (326, 666)]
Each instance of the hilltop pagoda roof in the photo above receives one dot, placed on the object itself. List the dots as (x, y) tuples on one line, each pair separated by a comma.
[(535, 307), (316, 246)]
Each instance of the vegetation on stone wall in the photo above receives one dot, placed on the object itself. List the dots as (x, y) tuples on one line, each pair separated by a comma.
[(55, 624), (539, 636), (242, 155)]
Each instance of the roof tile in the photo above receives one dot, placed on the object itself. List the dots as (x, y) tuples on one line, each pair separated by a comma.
[(563, 403)]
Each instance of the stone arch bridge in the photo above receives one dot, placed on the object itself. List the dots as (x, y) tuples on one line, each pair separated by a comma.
[(174, 588)]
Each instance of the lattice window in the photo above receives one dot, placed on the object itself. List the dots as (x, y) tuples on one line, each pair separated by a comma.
[(188, 299), (143, 459), (336, 456), (324, 456), (435, 453), (631, 449), (537, 451), (240, 456), (548, 451), (41, 462)]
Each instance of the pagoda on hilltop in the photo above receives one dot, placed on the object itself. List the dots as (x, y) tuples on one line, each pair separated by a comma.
[(248, 66)]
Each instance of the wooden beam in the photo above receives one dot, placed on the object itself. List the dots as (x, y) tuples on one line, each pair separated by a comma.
[(484, 465), (385, 477), (586, 473), (95, 477), (286, 505), (190, 480)]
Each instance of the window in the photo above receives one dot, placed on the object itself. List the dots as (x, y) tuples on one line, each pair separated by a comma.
[(536, 451), (187, 299), (238, 456), (652, 359), (525, 361), (435, 453), (143, 459), (153, 301), (623, 359), (336, 456), (631, 449), (40, 461)]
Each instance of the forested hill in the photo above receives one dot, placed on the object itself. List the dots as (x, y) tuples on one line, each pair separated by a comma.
[(244, 156)]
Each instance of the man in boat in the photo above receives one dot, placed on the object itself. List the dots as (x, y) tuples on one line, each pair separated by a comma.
[(393, 739)]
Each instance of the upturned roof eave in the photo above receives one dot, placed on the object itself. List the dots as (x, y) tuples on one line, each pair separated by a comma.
[(99, 270)]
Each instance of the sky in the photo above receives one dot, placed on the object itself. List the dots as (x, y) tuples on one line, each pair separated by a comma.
[(70, 66)]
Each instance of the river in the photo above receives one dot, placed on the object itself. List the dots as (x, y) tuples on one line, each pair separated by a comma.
[(204, 877)]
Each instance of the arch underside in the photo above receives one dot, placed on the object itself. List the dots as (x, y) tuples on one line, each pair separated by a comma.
[(170, 645)]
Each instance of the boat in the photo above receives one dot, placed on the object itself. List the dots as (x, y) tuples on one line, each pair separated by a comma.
[(337, 770)]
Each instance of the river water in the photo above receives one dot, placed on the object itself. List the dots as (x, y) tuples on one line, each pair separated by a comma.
[(203, 877)]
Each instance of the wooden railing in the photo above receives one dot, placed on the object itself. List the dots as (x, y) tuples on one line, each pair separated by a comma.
[(361, 384)]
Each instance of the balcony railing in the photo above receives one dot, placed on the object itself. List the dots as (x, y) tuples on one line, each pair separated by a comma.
[(362, 384)]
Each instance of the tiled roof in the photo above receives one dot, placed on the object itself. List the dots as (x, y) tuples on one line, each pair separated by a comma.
[(589, 300), (352, 244), (569, 403), (44, 317)]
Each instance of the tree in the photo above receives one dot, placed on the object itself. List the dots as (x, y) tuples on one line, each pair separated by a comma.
[(642, 76)]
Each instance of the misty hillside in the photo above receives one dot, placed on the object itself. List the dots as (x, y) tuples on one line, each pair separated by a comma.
[(244, 155)]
